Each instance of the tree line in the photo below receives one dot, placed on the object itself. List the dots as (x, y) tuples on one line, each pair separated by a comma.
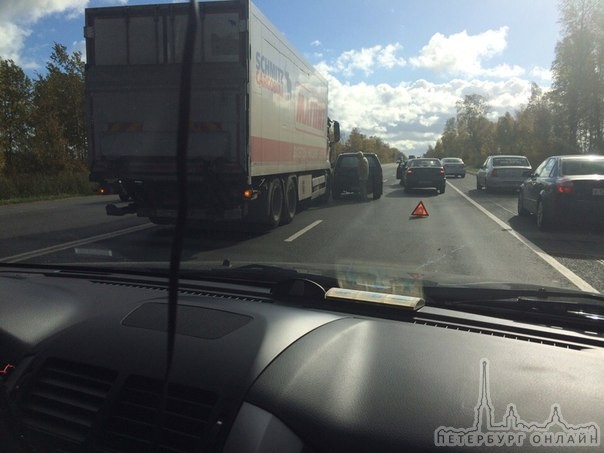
[(43, 127), (357, 141), (42, 121), (568, 119)]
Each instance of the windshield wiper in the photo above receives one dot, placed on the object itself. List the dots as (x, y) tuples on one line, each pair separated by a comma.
[(564, 306)]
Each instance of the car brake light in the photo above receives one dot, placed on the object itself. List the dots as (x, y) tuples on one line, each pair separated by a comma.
[(409, 172), (494, 172), (564, 186)]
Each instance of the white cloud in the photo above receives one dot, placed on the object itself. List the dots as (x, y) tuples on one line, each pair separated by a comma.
[(316, 43), (463, 54), (12, 38), (366, 60), (411, 115), (79, 46), (543, 74), (17, 18)]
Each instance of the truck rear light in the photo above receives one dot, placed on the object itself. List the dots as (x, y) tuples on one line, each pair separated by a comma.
[(494, 172), (442, 172), (250, 194)]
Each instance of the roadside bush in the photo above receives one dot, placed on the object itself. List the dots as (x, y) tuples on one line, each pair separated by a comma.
[(41, 185)]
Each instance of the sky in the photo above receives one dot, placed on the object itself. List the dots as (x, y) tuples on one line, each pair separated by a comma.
[(396, 68)]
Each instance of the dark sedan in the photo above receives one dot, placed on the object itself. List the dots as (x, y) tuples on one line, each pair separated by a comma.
[(564, 188), (424, 172)]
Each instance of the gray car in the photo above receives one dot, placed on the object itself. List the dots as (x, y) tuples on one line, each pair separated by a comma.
[(454, 166), (503, 172)]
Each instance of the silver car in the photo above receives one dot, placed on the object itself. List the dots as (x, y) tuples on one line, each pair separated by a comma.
[(503, 172)]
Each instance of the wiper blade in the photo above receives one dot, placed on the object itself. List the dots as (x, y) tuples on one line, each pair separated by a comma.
[(477, 293), (564, 305)]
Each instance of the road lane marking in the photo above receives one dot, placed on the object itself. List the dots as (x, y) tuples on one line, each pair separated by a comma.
[(68, 245), (570, 275), (295, 236), (506, 209)]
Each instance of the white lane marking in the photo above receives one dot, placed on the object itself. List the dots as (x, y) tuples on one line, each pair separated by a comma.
[(505, 209), (295, 236), (570, 275), (601, 262), (68, 245)]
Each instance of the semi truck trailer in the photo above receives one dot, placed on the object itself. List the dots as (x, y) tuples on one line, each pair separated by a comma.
[(259, 140)]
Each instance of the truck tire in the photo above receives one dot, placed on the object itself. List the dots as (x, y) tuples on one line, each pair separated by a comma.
[(290, 201), (275, 203)]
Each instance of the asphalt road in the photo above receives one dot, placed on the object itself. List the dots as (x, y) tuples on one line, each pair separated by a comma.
[(467, 232)]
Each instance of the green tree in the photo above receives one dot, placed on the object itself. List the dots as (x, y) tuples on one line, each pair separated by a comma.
[(578, 79), (357, 141), (475, 131), (535, 137), (506, 142), (15, 112), (59, 114)]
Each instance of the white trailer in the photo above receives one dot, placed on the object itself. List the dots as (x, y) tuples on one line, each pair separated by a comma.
[(259, 134)]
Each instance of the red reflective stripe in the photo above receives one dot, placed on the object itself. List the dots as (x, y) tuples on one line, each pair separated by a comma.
[(267, 150)]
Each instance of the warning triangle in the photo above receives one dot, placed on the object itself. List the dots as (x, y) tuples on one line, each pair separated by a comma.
[(420, 210)]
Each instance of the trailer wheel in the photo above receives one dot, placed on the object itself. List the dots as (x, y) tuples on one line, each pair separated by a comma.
[(290, 201), (275, 203)]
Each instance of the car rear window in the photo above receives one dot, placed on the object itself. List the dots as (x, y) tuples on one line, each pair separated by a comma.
[(353, 161), (511, 162), (349, 162), (451, 161), (582, 167), (425, 163)]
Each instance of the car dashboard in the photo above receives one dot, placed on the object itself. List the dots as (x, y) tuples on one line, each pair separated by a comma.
[(83, 358)]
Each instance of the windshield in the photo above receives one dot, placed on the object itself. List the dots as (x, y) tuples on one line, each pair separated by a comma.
[(91, 114)]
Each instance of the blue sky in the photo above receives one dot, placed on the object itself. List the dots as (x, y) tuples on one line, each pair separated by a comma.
[(395, 67)]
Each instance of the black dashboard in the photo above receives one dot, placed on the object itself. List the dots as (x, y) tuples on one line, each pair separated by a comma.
[(83, 358)]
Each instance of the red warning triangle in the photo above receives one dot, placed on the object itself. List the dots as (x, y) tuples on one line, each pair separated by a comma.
[(420, 210)]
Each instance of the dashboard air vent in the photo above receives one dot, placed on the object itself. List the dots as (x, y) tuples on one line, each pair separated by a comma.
[(263, 295), (134, 426), (64, 400)]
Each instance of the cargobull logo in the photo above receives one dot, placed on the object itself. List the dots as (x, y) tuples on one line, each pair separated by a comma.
[(272, 77), (513, 431)]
